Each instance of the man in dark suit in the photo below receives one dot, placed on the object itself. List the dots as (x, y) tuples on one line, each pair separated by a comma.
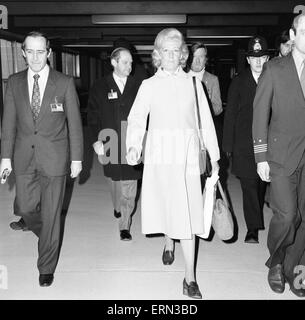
[(41, 133), (197, 62), (279, 145), (237, 136), (110, 101)]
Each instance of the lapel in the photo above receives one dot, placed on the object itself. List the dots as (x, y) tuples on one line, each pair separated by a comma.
[(49, 94), (128, 85), (112, 85), (251, 81), (292, 77), (205, 77), (24, 87)]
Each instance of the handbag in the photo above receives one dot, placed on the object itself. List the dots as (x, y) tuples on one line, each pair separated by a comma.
[(205, 164), (222, 221)]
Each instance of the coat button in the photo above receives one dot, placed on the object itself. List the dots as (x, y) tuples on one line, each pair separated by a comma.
[(35, 132), (33, 147)]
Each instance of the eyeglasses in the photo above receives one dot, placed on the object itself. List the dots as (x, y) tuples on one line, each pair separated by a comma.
[(35, 52)]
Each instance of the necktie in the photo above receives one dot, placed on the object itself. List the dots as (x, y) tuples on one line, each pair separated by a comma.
[(35, 105), (302, 78), (122, 85)]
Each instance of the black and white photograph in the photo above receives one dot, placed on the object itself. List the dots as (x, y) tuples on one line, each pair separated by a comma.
[(152, 153)]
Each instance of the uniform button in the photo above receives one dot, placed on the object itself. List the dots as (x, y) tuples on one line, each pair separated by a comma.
[(35, 132), (33, 147)]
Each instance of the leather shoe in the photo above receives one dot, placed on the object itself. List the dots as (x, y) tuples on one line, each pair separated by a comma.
[(276, 279), (125, 235), (252, 236), (298, 292), (191, 290), (168, 257), (19, 225), (117, 214), (45, 280)]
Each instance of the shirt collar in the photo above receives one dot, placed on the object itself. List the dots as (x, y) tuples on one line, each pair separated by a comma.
[(118, 79), (255, 76), (42, 73), (298, 60), (163, 73), (199, 74)]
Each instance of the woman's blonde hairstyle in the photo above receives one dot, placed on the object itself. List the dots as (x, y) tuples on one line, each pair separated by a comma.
[(164, 35)]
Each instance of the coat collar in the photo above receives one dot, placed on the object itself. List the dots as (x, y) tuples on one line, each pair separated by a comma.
[(291, 76), (206, 76), (249, 75), (163, 74), (49, 94), (112, 84)]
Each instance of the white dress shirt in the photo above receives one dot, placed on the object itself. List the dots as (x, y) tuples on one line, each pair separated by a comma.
[(42, 81), (121, 82), (198, 75), (299, 61), (255, 76)]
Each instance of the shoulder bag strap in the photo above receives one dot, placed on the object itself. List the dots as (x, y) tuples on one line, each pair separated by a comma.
[(198, 114), (224, 197)]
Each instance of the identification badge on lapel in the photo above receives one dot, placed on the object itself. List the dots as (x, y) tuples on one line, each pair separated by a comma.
[(112, 95), (56, 106)]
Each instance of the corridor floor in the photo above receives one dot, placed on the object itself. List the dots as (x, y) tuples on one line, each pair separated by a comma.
[(95, 264)]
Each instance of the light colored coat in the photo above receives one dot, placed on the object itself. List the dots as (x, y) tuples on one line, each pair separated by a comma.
[(171, 192)]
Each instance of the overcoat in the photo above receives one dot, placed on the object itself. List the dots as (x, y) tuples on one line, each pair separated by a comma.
[(171, 201), (108, 110), (237, 131), (279, 139)]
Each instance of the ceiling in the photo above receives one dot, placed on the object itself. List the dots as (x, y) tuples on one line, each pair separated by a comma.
[(223, 25)]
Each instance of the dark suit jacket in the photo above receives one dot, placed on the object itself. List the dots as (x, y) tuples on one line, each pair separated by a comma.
[(282, 142), (237, 131), (105, 113), (55, 139)]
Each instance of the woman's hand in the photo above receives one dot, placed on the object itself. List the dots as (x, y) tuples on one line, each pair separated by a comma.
[(132, 156)]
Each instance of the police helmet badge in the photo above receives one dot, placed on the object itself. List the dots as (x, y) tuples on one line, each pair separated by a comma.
[(257, 46)]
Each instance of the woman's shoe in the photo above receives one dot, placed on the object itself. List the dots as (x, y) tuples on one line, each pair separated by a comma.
[(168, 257), (191, 290)]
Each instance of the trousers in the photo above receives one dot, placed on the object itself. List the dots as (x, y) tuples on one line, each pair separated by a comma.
[(286, 236), (123, 194), (39, 200), (253, 190)]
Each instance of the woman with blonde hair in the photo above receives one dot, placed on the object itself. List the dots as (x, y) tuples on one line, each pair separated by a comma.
[(171, 190)]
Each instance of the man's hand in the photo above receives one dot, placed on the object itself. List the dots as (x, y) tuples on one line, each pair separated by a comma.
[(98, 148), (263, 171), (76, 168), (5, 164), (132, 156)]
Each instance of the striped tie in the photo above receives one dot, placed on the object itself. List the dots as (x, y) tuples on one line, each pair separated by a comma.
[(35, 105)]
